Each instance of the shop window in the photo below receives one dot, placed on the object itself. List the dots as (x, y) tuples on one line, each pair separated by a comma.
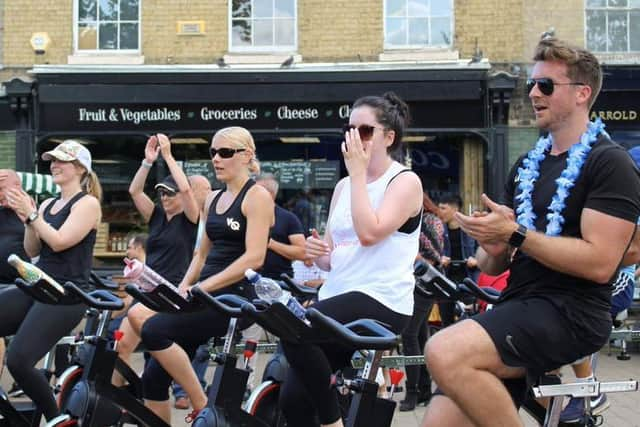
[(413, 24), (107, 26), (263, 25), (613, 25)]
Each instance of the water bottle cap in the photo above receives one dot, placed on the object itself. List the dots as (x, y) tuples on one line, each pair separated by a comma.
[(251, 275)]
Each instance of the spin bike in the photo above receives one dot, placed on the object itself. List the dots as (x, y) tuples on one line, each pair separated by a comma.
[(25, 413), (366, 408), (431, 282)]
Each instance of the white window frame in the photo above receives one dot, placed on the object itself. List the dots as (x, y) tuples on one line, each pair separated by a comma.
[(263, 49), (105, 52), (388, 46), (607, 9)]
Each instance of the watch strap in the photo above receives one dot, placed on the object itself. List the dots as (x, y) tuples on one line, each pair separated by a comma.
[(518, 236)]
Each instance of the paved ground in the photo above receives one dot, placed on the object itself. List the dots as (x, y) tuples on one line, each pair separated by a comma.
[(624, 410)]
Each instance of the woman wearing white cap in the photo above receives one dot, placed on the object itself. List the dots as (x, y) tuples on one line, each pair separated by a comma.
[(62, 233), (173, 225)]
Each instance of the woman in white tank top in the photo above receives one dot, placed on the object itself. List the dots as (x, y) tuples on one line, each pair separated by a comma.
[(368, 249)]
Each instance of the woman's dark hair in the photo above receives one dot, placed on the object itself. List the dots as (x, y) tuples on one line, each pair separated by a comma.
[(392, 113)]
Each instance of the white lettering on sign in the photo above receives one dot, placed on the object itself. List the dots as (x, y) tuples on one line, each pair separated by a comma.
[(344, 111), (99, 115), (235, 114), (286, 113), (432, 159), (617, 115), (150, 115), (128, 115)]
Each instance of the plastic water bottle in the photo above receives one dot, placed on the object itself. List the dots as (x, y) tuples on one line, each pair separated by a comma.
[(143, 275), (269, 290)]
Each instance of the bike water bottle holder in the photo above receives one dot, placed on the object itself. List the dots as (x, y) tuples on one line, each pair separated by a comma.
[(163, 299)]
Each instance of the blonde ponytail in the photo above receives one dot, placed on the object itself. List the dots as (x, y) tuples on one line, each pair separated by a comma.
[(91, 185)]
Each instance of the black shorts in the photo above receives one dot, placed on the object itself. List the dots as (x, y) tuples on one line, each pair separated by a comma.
[(542, 335)]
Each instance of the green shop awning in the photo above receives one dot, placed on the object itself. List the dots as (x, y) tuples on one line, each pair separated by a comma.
[(38, 184)]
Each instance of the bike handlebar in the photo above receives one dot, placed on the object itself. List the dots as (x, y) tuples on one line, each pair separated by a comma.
[(100, 299), (350, 334), (228, 304), (297, 289), (472, 288), (99, 282)]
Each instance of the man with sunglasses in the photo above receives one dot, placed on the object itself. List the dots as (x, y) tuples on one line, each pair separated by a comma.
[(570, 208)]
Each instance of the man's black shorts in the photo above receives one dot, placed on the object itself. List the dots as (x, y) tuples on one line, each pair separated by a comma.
[(542, 335)]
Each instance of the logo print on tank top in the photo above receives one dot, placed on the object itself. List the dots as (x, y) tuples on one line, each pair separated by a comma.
[(233, 224)]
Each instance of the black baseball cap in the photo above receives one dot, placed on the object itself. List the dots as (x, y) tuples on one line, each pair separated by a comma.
[(168, 183)]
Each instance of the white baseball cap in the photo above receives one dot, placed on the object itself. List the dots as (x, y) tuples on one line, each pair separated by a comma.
[(68, 151)]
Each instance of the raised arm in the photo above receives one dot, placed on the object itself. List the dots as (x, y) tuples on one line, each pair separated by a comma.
[(258, 208), (136, 189), (189, 203)]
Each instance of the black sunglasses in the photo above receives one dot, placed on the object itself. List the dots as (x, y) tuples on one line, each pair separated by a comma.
[(225, 153), (162, 192), (546, 85), (365, 131)]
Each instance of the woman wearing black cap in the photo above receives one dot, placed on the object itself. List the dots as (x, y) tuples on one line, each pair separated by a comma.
[(173, 224)]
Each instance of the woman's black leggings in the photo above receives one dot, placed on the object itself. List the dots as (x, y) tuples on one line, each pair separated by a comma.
[(37, 328), (189, 331), (307, 394), (413, 340)]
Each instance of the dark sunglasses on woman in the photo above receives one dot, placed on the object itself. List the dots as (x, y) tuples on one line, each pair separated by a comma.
[(166, 193), (546, 85), (225, 153), (365, 131)]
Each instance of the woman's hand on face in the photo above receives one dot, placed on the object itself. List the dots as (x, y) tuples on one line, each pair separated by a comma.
[(315, 247), (356, 153), (20, 202), (165, 145), (152, 149)]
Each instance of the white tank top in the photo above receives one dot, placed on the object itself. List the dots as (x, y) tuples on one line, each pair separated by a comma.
[(383, 271)]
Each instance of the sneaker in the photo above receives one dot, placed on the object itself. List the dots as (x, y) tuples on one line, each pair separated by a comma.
[(599, 404), (181, 402), (15, 391), (574, 411)]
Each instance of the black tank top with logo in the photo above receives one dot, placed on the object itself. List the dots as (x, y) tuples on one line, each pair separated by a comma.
[(227, 233), (74, 263)]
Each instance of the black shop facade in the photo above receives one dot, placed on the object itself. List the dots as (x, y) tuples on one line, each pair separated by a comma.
[(456, 142)]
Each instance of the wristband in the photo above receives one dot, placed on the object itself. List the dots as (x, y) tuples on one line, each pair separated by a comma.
[(146, 164)]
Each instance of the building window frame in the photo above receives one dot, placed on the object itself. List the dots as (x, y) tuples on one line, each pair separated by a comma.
[(98, 21), (609, 8), (273, 47), (429, 44)]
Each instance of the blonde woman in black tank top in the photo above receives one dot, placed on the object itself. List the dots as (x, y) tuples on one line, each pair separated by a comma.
[(246, 209), (62, 233)]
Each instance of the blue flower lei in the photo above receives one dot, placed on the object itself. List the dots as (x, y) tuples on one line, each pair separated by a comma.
[(530, 173)]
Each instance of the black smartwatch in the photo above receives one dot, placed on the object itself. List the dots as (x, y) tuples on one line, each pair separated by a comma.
[(518, 236)]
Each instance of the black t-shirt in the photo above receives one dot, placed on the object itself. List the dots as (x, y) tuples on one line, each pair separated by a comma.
[(286, 225), (11, 242), (609, 183), (170, 244), (227, 232)]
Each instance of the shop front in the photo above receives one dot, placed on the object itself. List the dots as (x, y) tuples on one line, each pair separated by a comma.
[(294, 115), (618, 104)]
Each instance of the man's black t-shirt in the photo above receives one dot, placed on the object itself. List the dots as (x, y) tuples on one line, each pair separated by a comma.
[(170, 244), (11, 242), (286, 224), (609, 183)]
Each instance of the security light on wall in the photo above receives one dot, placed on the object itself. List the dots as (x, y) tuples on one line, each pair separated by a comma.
[(40, 42)]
